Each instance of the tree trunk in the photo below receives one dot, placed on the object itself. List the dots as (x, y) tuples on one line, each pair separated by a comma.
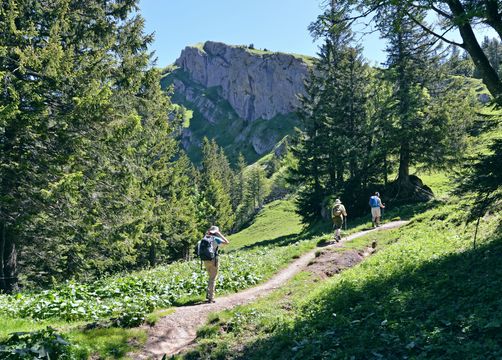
[(404, 163), (8, 260), (385, 170), (488, 73), (152, 256)]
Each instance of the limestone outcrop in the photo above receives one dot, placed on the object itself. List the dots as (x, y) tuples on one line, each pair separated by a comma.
[(257, 84)]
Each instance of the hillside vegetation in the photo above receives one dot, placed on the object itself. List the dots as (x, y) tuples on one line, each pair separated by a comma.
[(234, 134), (95, 317), (426, 293), (101, 206)]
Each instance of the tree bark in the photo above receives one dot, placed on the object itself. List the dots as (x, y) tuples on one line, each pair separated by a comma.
[(152, 256), (404, 163), (8, 260), (488, 73), (493, 17)]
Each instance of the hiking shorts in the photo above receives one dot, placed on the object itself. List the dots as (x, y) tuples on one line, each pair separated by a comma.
[(337, 223), (375, 212)]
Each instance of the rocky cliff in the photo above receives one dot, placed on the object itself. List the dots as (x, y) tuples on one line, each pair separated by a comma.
[(243, 97)]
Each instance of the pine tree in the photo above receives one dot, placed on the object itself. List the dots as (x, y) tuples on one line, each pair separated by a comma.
[(336, 146), (256, 187), (217, 179), (84, 138), (309, 150), (424, 123), (239, 180)]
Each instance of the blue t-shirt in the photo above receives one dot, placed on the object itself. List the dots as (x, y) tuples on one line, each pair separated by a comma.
[(217, 240)]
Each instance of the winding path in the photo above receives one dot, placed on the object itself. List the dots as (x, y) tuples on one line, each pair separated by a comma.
[(176, 331)]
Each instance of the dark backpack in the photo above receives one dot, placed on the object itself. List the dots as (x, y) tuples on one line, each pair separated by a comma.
[(205, 248)]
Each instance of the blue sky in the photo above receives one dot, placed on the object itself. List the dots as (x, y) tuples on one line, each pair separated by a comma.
[(278, 25)]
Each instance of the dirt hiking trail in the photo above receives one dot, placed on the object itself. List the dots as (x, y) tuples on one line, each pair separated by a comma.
[(175, 332)]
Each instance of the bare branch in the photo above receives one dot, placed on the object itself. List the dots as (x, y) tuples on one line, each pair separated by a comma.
[(433, 33)]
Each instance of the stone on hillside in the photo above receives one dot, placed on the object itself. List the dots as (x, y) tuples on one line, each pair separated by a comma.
[(258, 85)]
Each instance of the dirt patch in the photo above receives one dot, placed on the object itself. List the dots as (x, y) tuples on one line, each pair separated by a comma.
[(330, 262)]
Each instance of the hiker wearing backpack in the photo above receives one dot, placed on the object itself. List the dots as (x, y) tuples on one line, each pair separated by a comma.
[(376, 205), (338, 213), (207, 250)]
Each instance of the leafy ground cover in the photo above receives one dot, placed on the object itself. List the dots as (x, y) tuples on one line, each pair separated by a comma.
[(128, 300), (115, 303), (427, 294)]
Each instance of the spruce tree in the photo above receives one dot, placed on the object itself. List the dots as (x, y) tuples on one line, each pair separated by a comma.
[(216, 187), (309, 151), (84, 139), (424, 124), (337, 143), (239, 180)]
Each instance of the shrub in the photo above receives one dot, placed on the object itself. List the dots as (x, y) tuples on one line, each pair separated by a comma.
[(42, 344)]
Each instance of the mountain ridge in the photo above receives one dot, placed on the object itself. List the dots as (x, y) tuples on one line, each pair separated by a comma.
[(242, 97)]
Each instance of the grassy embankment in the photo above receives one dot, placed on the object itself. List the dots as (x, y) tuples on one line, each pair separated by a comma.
[(426, 294)]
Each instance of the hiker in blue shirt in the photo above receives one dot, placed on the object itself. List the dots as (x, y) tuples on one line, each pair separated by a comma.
[(214, 235), (376, 205)]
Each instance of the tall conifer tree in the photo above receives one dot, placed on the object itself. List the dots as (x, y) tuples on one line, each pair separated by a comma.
[(85, 143)]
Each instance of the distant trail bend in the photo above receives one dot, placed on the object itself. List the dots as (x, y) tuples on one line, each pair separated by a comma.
[(173, 333)]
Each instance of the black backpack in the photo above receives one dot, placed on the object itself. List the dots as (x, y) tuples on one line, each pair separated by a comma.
[(205, 248)]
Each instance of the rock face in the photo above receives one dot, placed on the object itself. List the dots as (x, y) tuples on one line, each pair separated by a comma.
[(256, 84)]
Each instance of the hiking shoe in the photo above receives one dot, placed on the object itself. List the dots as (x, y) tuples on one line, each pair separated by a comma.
[(210, 301)]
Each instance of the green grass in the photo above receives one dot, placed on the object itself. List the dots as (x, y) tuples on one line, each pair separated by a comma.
[(427, 295), (106, 343), (111, 343), (9, 325), (152, 318), (262, 253), (276, 221), (439, 182)]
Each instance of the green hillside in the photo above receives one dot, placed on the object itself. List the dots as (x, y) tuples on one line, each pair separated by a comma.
[(104, 217), (233, 134), (427, 293)]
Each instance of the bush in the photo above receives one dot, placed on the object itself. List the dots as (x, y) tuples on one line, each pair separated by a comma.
[(42, 344)]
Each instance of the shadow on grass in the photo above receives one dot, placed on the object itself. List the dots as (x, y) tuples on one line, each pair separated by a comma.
[(446, 309), (280, 241)]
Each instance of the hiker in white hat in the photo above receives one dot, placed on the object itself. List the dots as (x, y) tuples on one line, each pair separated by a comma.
[(213, 238), (338, 214)]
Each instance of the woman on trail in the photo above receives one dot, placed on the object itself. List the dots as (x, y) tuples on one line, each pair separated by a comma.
[(215, 238)]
